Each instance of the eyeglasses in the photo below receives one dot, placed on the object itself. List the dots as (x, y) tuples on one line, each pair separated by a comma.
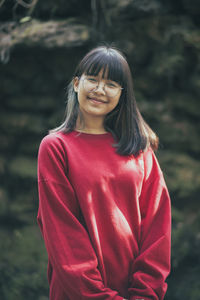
[(110, 88)]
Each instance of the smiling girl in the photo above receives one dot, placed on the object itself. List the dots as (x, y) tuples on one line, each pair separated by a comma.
[(104, 209)]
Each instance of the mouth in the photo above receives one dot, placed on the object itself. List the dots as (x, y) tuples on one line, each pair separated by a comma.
[(96, 100)]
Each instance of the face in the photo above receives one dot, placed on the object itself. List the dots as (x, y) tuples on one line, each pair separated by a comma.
[(96, 102)]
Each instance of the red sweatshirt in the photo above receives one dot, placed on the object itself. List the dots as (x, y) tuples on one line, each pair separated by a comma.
[(105, 219)]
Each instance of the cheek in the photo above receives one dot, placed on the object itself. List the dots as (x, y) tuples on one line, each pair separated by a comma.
[(81, 95), (116, 101)]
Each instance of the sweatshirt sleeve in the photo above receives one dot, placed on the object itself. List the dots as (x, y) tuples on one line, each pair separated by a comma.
[(68, 245), (152, 265)]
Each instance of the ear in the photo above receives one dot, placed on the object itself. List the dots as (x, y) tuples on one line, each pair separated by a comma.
[(76, 84)]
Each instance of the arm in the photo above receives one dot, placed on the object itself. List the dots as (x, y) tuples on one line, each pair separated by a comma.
[(68, 244), (152, 265)]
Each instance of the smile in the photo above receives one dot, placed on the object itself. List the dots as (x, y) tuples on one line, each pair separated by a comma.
[(96, 100)]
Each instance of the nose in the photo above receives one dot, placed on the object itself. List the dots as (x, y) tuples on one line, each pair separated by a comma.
[(100, 88)]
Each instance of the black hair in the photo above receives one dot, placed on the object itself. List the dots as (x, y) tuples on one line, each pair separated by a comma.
[(131, 132)]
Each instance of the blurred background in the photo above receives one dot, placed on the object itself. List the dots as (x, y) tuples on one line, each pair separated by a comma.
[(40, 44)]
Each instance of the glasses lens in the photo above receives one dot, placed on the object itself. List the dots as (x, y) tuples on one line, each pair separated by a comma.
[(112, 91), (91, 84)]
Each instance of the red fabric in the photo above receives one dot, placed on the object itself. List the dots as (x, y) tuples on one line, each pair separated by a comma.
[(105, 219)]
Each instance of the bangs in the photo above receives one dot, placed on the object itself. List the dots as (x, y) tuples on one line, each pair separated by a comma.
[(111, 65)]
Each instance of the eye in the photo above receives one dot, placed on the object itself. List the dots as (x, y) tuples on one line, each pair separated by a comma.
[(91, 79), (112, 85)]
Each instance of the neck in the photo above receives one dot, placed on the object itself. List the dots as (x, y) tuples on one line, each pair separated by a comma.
[(90, 125)]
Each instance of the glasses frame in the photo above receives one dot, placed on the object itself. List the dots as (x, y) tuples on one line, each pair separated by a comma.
[(96, 88)]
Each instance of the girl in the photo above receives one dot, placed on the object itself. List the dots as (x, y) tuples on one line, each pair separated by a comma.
[(104, 209)]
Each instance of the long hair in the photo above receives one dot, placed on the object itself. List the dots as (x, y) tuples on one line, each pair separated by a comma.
[(131, 132)]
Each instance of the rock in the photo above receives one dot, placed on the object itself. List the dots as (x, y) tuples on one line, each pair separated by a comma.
[(48, 34), (35, 33)]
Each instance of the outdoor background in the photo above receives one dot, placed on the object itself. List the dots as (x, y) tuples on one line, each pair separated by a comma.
[(41, 41)]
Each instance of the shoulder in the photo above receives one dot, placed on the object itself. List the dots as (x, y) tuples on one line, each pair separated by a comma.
[(54, 145), (55, 140), (52, 154)]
